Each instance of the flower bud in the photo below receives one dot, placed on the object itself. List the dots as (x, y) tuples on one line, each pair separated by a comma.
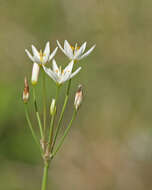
[(35, 73), (78, 97), (26, 91), (53, 107)]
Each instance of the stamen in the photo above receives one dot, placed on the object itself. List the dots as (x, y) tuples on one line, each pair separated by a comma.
[(60, 69), (73, 48), (41, 55)]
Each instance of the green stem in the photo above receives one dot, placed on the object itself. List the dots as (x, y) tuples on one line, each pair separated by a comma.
[(30, 126), (57, 93), (44, 102), (45, 175), (61, 115), (52, 120), (37, 114), (40, 125), (65, 134), (51, 130)]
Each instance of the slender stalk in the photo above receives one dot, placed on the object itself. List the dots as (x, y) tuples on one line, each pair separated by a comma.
[(44, 102), (45, 175), (61, 115), (65, 134), (51, 130), (52, 120), (47, 162), (37, 114), (57, 93), (40, 125), (30, 126)]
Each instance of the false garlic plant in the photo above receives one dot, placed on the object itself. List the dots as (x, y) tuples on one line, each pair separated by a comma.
[(47, 140)]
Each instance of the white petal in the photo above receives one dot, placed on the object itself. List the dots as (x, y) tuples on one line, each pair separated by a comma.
[(54, 66), (47, 49), (44, 60), (29, 55), (67, 72), (35, 73), (53, 53), (50, 73), (64, 79), (68, 49), (61, 47), (83, 46), (75, 73), (87, 53), (80, 51), (46, 53), (68, 68), (35, 53)]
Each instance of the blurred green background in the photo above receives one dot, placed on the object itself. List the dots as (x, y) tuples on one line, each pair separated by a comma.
[(110, 144)]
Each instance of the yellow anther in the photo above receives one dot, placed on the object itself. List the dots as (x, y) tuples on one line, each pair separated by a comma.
[(41, 55), (75, 48), (56, 71)]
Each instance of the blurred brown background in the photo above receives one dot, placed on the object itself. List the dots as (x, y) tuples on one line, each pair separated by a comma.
[(110, 144)]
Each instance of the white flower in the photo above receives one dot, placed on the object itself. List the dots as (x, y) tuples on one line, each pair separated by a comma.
[(61, 76), (41, 57), (35, 73), (75, 53)]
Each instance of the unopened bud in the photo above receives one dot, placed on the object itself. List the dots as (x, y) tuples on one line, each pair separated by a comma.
[(78, 97), (26, 91), (53, 107), (35, 73)]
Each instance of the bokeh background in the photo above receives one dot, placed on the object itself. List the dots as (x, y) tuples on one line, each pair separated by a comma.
[(110, 144)]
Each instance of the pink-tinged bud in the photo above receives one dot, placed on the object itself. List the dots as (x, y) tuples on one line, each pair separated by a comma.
[(78, 97), (35, 73), (26, 91)]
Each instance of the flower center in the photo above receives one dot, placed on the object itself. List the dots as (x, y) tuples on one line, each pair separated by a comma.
[(41, 55), (75, 48)]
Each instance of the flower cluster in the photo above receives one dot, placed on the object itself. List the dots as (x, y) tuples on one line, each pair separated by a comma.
[(40, 59)]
